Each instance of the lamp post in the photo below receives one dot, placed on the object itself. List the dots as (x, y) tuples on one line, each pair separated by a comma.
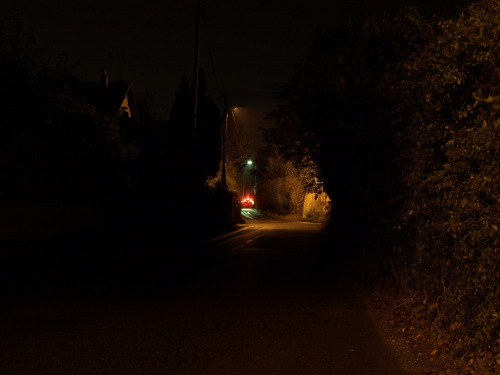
[(223, 141), (250, 162), (224, 132), (224, 146)]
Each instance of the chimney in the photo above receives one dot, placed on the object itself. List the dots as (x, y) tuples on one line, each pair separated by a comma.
[(104, 79)]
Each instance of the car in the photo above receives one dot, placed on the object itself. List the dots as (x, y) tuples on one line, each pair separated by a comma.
[(248, 203)]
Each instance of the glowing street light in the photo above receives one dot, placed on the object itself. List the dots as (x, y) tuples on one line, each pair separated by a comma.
[(250, 162)]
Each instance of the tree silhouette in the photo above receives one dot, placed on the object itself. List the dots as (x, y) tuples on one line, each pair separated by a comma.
[(194, 154)]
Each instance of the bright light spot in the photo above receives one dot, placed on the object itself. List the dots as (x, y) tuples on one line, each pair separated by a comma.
[(249, 162), (248, 202)]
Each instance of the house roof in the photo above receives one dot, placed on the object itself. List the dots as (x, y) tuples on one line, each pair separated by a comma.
[(106, 96)]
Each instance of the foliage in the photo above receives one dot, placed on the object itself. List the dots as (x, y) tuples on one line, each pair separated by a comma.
[(450, 219), (54, 146), (334, 111), (281, 190), (193, 153), (401, 116)]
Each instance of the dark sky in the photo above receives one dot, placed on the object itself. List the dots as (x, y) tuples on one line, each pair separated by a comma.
[(246, 47)]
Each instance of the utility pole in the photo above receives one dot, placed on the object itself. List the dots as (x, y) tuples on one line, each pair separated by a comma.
[(223, 141), (196, 65)]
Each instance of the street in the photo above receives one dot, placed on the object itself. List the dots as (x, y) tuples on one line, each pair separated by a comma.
[(265, 299)]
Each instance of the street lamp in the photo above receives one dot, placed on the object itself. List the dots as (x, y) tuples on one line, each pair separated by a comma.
[(224, 147), (250, 162)]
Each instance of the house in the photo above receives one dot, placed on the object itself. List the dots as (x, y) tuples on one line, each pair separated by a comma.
[(110, 98)]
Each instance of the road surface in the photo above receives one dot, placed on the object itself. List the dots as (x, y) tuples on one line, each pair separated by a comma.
[(263, 300)]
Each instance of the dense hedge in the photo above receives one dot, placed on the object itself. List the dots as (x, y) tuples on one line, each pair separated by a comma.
[(450, 159), (401, 115)]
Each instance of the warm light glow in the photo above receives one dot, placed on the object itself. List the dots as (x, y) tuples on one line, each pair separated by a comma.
[(248, 202)]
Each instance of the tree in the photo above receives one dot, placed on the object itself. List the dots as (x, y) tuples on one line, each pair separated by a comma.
[(281, 190), (192, 155), (450, 96), (335, 111), (208, 132), (54, 146)]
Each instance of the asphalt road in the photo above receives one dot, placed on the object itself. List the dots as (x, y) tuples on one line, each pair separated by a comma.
[(265, 299)]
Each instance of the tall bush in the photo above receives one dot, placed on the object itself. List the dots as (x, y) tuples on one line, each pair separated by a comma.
[(450, 162), (281, 190)]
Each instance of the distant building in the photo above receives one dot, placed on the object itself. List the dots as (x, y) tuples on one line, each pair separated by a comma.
[(110, 98)]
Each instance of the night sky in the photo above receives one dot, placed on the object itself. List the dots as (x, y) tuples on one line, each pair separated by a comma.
[(246, 47)]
